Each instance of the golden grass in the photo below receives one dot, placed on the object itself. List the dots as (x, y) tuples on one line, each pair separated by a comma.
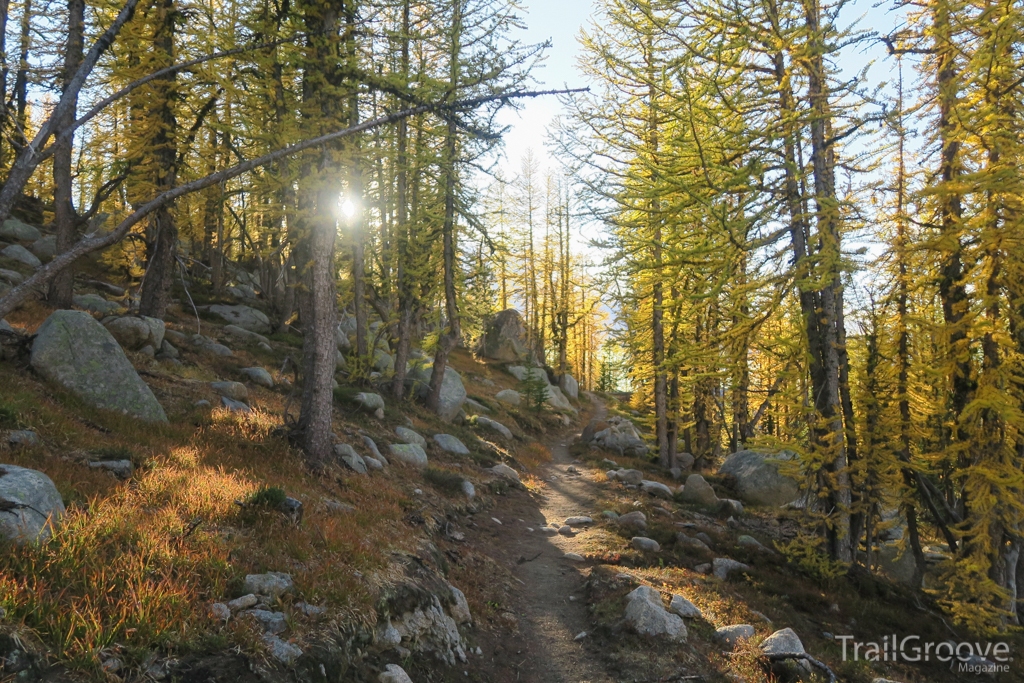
[(124, 570)]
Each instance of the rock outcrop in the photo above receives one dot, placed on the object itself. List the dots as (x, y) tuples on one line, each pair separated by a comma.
[(757, 478), (73, 350)]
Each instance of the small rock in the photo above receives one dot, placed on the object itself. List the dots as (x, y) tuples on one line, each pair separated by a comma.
[(610, 514), (509, 396), (704, 537), (393, 674), (244, 602), (580, 520), (18, 253), (220, 612), (704, 568), (494, 425), (335, 506), (112, 665), (633, 520), (608, 462), (468, 489), (645, 544), (731, 635), (723, 566), (372, 463), (574, 557), (549, 531), (284, 652), (460, 609), (23, 437), (728, 507), (309, 610), (571, 469), (258, 376), (370, 401), (349, 456), (272, 622), (565, 530), (647, 616), (496, 520), (580, 636), (234, 406), (684, 608), (374, 451), (122, 469), (202, 403), (272, 584)]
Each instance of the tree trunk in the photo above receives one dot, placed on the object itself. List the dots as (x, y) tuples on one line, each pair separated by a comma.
[(162, 236), (405, 290), (65, 217)]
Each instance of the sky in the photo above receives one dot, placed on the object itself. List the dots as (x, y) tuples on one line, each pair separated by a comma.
[(561, 20)]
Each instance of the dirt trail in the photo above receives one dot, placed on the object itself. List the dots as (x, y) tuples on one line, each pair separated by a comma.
[(550, 605)]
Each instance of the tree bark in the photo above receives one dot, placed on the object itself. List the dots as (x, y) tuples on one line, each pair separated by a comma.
[(65, 217)]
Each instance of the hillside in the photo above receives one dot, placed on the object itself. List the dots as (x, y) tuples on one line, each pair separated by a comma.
[(158, 569)]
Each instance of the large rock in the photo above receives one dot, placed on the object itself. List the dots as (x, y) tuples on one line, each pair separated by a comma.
[(569, 386), (246, 317), (684, 608), (451, 444), (782, 644), (656, 489), (369, 400), (383, 361), (698, 491), (244, 335), (758, 480), (557, 400), (95, 303), (76, 352), (648, 617), (272, 584), (734, 633), (633, 520), (236, 391), (135, 332), (37, 505), (18, 253), (494, 425), (505, 337), (13, 229), (393, 674), (45, 247), (409, 436), (509, 396), (619, 435), (258, 376), (409, 453), (453, 391)]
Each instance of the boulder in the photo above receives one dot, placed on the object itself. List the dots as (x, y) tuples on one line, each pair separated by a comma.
[(494, 425), (244, 335), (374, 451), (656, 489), (23, 437), (698, 492), (450, 444), (13, 229), (633, 520), (645, 544), (258, 376), (383, 361), (409, 453), (281, 650), (633, 477), (370, 401), (782, 644), (723, 566), (557, 400), (37, 506), (758, 480), (684, 461), (470, 404), (568, 384), (503, 470), (133, 333), (246, 317), (271, 584), (505, 337), (619, 435), (460, 607), (684, 608), (731, 635), (393, 674), (73, 350), (349, 456), (233, 390), (11, 276), (579, 520), (18, 253), (45, 247), (235, 406), (691, 543), (648, 617), (122, 469), (453, 391), (897, 562), (509, 396), (409, 436), (94, 303)]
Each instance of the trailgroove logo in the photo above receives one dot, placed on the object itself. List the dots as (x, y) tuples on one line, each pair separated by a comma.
[(987, 658)]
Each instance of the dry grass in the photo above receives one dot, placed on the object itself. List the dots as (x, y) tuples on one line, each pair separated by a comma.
[(123, 570)]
